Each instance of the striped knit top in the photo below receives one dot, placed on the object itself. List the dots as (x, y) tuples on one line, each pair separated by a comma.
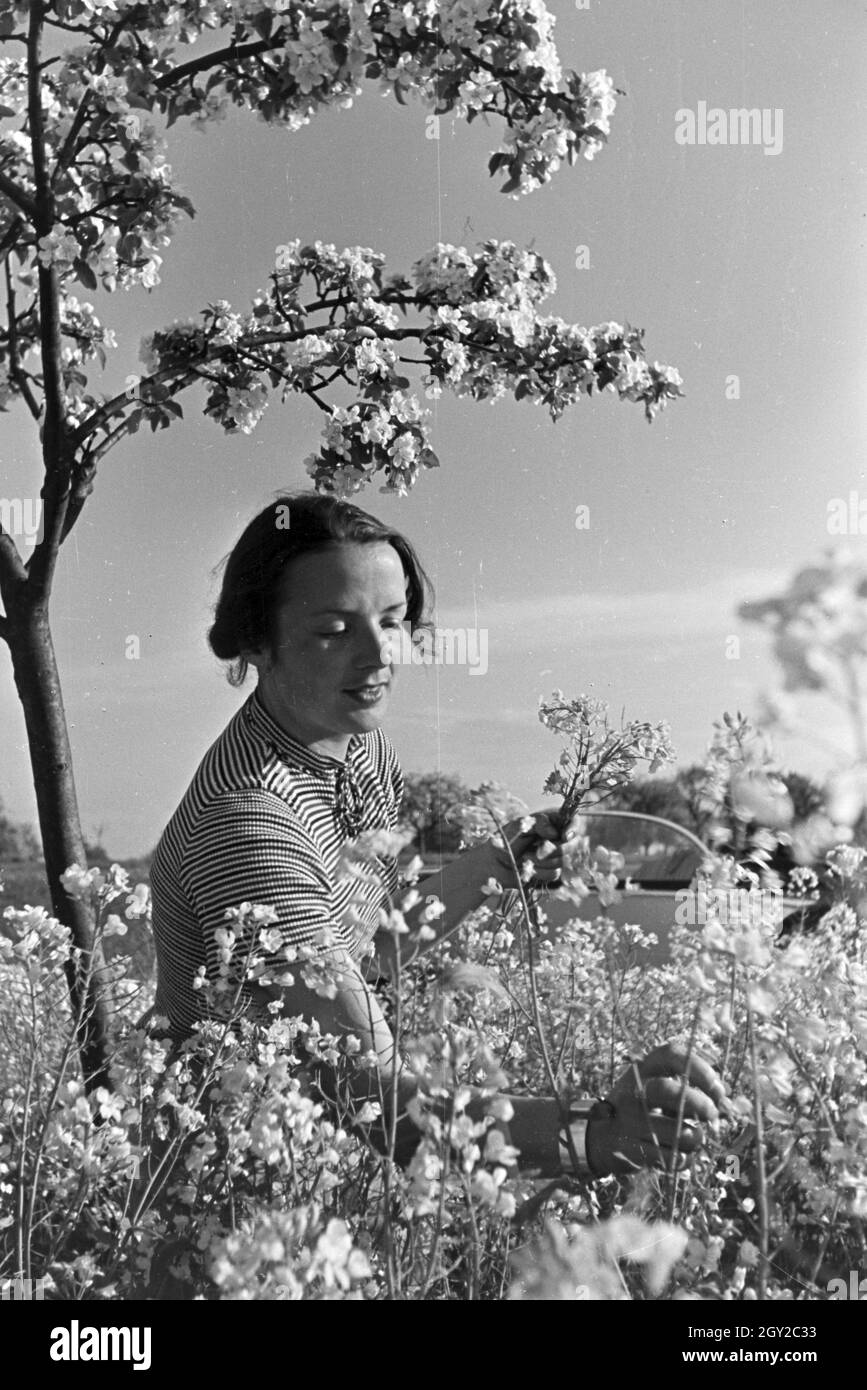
[(263, 821)]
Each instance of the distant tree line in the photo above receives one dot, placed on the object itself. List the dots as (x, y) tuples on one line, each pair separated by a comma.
[(19, 843), (681, 798), (18, 840)]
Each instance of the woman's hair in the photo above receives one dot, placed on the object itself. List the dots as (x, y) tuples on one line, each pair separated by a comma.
[(295, 524)]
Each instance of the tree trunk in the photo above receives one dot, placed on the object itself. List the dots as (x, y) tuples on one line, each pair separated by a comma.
[(38, 682)]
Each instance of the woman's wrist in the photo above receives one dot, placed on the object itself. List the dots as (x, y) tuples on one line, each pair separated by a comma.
[(573, 1140), (578, 1152)]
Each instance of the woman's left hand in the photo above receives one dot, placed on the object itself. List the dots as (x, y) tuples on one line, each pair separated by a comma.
[(541, 842)]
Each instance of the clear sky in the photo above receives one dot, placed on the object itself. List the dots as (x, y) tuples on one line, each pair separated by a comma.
[(734, 261)]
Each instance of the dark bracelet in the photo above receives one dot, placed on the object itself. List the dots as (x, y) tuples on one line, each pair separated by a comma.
[(581, 1111)]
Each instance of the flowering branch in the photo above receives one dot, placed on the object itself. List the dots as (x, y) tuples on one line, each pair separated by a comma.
[(89, 170), (16, 195), (495, 342)]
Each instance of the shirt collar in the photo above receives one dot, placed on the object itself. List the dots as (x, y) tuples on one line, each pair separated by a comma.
[(289, 749)]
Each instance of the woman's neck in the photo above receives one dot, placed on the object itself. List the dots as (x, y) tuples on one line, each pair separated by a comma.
[(329, 745)]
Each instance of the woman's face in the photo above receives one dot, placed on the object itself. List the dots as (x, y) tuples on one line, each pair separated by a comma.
[(330, 671)]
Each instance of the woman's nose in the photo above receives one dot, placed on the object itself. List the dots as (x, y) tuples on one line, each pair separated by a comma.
[(374, 649)]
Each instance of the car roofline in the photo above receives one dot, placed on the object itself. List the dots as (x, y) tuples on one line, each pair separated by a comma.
[(657, 820)]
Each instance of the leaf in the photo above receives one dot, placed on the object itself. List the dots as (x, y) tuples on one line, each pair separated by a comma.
[(133, 421), (175, 409), (263, 24), (398, 92), (84, 273), (8, 111)]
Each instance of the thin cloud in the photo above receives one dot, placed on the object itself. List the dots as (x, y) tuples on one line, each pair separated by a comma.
[(637, 616)]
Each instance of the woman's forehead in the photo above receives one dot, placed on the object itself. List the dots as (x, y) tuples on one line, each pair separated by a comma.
[(345, 578)]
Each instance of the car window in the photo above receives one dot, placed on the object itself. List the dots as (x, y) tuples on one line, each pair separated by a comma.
[(655, 853)]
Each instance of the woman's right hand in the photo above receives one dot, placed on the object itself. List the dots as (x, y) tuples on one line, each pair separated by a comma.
[(632, 1136)]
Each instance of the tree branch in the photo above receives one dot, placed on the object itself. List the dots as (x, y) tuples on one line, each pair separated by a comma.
[(82, 486), (83, 475), (104, 413), (56, 454), (84, 470), (55, 23), (311, 392), (74, 131), (10, 236), (11, 565), (17, 196), (234, 53), (98, 417), (67, 149), (16, 371)]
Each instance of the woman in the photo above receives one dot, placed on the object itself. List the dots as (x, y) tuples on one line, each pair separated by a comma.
[(312, 596)]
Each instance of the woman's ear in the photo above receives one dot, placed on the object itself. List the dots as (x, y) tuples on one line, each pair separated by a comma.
[(262, 660)]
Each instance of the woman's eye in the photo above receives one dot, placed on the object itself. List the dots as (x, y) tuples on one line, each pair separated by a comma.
[(335, 632)]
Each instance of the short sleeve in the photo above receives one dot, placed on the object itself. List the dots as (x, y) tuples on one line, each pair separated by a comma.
[(249, 846)]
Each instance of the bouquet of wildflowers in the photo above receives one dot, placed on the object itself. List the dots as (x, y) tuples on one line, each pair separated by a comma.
[(599, 759)]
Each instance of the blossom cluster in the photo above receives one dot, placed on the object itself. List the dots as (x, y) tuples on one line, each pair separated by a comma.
[(819, 631), (115, 201), (116, 209), (599, 758), (468, 57), (483, 336)]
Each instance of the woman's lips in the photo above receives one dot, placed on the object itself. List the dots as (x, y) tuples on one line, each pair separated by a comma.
[(367, 694)]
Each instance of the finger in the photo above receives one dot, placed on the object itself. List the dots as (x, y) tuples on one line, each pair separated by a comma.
[(545, 828), (574, 825), (664, 1131), (667, 1159), (543, 874), (667, 1093), (673, 1060), (548, 853), (686, 1136), (648, 1155)]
